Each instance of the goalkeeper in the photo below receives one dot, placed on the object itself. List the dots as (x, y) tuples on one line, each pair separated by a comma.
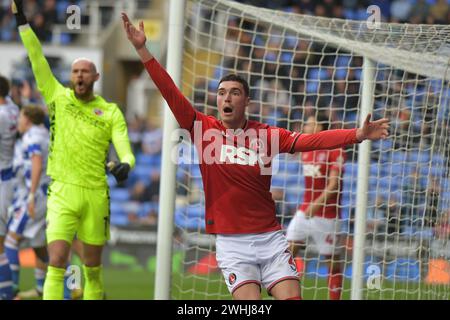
[(81, 125)]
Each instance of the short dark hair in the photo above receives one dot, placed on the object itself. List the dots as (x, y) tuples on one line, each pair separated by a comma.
[(34, 113), (323, 119), (237, 78), (4, 87)]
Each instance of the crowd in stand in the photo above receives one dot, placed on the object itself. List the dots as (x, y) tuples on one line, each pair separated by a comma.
[(42, 14), (411, 11)]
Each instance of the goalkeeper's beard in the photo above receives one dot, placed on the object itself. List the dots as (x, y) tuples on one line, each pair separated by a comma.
[(87, 94)]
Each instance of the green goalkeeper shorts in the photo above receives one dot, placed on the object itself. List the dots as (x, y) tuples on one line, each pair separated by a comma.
[(74, 210)]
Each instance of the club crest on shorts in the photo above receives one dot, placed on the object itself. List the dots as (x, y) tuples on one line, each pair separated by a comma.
[(291, 261), (231, 279)]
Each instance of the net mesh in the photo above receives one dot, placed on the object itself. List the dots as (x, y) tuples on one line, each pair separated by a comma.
[(298, 66)]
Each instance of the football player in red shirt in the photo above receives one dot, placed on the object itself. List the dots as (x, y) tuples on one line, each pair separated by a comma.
[(318, 216), (235, 153)]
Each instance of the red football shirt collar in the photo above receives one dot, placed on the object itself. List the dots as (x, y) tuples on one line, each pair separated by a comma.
[(237, 132)]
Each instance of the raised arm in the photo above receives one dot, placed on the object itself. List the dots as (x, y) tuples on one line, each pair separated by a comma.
[(46, 81), (180, 106), (332, 139)]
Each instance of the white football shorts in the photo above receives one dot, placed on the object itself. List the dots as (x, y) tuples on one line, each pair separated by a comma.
[(6, 197), (323, 231), (262, 258)]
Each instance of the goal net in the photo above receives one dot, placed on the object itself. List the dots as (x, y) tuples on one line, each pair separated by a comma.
[(300, 65)]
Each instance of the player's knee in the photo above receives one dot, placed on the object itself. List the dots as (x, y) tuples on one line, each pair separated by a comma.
[(286, 289), (58, 261), (42, 254), (58, 254), (251, 291)]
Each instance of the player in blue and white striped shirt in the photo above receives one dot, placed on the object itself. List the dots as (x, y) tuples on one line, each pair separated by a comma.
[(30, 201), (9, 113)]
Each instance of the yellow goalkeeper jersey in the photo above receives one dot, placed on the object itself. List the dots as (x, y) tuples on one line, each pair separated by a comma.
[(81, 132)]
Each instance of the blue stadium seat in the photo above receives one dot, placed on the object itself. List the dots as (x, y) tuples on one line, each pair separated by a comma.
[(143, 172), (144, 159), (146, 207), (316, 268), (438, 160), (119, 194), (403, 269), (195, 211), (398, 157), (419, 156), (318, 74), (293, 167), (118, 216), (118, 220), (189, 223), (195, 171), (111, 181)]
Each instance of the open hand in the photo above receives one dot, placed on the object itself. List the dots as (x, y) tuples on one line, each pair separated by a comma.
[(373, 130), (136, 36)]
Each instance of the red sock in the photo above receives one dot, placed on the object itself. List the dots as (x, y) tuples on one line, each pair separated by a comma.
[(335, 283)]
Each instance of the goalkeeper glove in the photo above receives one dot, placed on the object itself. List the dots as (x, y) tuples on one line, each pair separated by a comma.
[(119, 170), (17, 10)]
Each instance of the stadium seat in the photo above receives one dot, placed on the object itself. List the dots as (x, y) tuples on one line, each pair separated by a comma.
[(146, 207), (111, 181), (118, 220), (143, 172), (119, 194), (278, 181), (419, 156), (398, 157), (195, 211), (316, 268), (144, 159), (438, 160), (184, 222), (118, 216), (293, 167), (403, 269)]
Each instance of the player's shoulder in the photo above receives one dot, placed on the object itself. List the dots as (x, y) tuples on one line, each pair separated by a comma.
[(8, 109), (36, 133), (105, 104)]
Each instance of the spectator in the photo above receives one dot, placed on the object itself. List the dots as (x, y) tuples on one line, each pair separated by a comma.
[(400, 10), (442, 228), (432, 202), (439, 12), (152, 139), (376, 217), (135, 129), (144, 192), (40, 28), (420, 12)]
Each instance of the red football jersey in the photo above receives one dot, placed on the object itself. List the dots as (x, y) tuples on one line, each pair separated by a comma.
[(236, 164), (316, 168), (237, 190)]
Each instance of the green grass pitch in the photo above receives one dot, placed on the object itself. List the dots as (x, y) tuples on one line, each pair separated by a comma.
[(123, 284)]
